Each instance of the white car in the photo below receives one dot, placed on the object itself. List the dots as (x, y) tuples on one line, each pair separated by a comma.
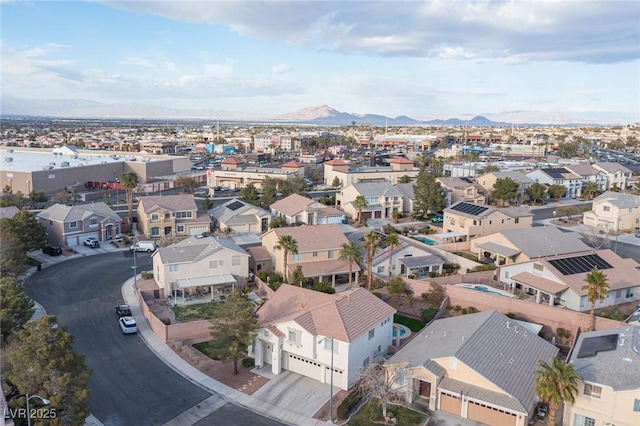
[(128, 325)]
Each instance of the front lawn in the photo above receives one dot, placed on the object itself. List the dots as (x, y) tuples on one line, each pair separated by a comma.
[(33, 262), (373, 411), (201, 311), (207, 348), (413, 324)]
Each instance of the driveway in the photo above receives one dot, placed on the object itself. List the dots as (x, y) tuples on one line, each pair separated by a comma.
[(296, 393)]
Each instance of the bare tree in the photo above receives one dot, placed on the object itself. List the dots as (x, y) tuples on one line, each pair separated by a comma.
[(377, 381), (596, 240)]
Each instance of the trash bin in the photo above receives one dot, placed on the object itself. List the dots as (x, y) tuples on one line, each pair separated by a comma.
[(39, 267)]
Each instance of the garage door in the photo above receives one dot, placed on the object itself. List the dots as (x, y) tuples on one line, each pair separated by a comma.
[(72, 241), (450, 404), (197, 230), (304, 366), (489, 415)]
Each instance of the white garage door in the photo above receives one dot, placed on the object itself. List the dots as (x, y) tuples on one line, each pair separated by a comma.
[(79, 239), (197, 230), (72, 241), (304, 366)]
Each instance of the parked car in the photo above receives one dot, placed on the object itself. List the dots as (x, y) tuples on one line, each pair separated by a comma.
[(148, 246), (638, 234), (123, 311), (92, 242), (437, 218), (543, 410), (202, 192), (128, 325), (52, 250)]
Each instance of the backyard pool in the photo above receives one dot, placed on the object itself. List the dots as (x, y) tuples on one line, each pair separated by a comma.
[(425, 240), (485, 289), (404, 331)]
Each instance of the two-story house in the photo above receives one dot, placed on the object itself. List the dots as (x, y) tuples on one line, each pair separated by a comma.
[(487, 180), (617, 175), (609, 386), (475, 220), (588, 173), (479, 367), (614, 211), (463, 189), (71, 225), (240, 217), (318, 252), (298, 209), (175, 215), (308, 332), (559, 176), (559, 280), (382, 199), (398, 167), (207, 267)]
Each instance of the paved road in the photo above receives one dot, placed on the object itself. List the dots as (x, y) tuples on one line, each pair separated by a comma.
[(129, 384)]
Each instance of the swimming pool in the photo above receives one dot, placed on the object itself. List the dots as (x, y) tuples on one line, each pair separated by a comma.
[(404, 331), (425, 240), (485, 289)]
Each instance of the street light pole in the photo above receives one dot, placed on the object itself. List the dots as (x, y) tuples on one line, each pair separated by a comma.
[(331, 382), (45, 401)]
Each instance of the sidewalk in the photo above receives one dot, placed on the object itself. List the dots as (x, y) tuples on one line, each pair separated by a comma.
[(221, 392)]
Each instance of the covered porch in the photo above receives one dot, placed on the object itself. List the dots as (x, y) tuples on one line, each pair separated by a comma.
[(420, 266), (496, 253), (449, 237), (543, 289), (202, 289), (334, 271)]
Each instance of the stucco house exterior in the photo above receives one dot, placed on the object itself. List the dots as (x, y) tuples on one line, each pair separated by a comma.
[(588, 173), (71, 225), (463, 189), (409, 197), (347, 175), (299, 209), (298, 327), (382, 199), (175, 215), (476, 220), (614, 211), (235, 174), (617, 175), (558, 280), (318, 250), (479, 367), (609, 390), (559, 176), (241, 217), (487, 180), (206, 267)]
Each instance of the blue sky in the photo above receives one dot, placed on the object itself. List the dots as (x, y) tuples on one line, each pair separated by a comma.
[(427, 59)]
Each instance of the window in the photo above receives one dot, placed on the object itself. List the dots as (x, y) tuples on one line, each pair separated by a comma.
[(506, 274), (297, 256), (93, 221), (167, 216), (155, 231), (380, 269), (295, 336), (606, 208), (221, 262), (330, 254), (401, 377), (372, 333), (490, 222), (365, 362), (583, 301), (213, 264), (618, 294), (629, 293), (235, 260), (154, 217), (579, 420), (183, 215), (73, 225), (636, 405), (372, 200), (331, 342), (517, 220), (453, 364), (592, 390), (180, 229), (174, 268), (315, 254), (538, 267)]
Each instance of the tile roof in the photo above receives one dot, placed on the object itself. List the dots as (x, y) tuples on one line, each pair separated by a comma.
[(540, 283), (196, 248), (177, 202), (401, 160), (8, 212), (619, 199), (259, 253), (543, 241), (64, 214), (612, 167), (233, 161), (335, 163), (583, 169), (407, 189), (517, 176), (345, 316), (489, 343), (291, 164), (245, 213), (292, 204), (377, 189), (313, 238), (324, 267)]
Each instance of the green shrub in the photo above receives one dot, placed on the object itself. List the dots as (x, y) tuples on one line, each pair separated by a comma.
[(126, 240), (472, 310), (348, 404), (165, 320), (147, 275), (248, 362), (324, 287), (262, 274), (429, 314), (510, 315)]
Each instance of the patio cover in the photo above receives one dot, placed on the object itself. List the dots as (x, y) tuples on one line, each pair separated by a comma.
[(540, 283), (499, 249), (324, 267), (419, 261), (451, 234), (214, 280)]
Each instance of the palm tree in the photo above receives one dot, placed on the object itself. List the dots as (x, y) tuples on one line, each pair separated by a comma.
[(129, 182), (287, 244), (360, 203), (555, 384), (393, 242), (597, 288), (370, 244), (590, 189), (351, 253)]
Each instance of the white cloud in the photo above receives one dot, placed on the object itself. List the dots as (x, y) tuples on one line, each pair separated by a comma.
[(281, 68)]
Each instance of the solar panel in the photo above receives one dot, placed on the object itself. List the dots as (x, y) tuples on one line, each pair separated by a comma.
[(466, 179), (592, 345), (556, 173), (235, 205), (579, 264), (468, 208)]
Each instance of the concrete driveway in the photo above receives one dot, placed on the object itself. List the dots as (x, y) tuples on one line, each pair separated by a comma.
[(295, 393)]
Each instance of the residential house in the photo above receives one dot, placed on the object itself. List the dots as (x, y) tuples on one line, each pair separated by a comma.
[(487, 180), (382, 199), (71, 225), (618, 175), (240, 217), (475, 220), (347, 175), (260, 259), (559, 280), (234, 174), (559, 176), (522, 245), (175, 215), (614, 211), (463, 189), (588, 173), (298, 209), (318, 252), (200, 267), (609, 389), (300, 328), (408, 196), (479, 367)]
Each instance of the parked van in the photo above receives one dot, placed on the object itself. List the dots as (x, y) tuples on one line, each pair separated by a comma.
[(148, 246)]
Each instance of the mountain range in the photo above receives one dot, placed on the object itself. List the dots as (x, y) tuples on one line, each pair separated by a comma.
[(317, 115)]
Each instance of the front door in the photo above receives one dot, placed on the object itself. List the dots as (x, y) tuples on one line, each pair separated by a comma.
[(425, 389)]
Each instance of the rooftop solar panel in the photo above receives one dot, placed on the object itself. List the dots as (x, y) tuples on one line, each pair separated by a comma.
[(556, 173), (468, 208), (579, 264), (592, 345), (235, 205)]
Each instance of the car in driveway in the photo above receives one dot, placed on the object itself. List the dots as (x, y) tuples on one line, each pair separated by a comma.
[(123, 311), (52, 250), (92, 242), (128, 325), (437, 218)]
